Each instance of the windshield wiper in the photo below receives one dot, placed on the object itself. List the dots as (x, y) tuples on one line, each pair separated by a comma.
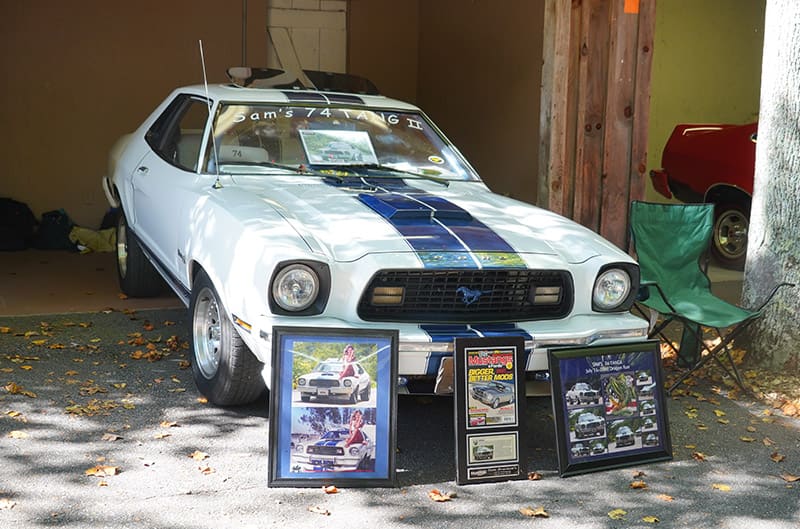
[(395, 170)]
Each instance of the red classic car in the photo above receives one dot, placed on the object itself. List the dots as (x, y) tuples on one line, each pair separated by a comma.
[(715, 164)]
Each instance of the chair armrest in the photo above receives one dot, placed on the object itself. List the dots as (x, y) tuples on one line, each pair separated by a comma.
[(661, 292), (772, 294)]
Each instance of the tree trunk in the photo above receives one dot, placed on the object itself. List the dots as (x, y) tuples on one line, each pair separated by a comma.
[(773, 253)]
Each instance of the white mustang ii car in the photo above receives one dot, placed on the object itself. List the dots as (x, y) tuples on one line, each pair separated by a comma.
[(331, 209)]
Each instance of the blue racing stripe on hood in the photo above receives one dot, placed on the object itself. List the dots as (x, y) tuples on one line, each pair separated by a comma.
[(443, 234)]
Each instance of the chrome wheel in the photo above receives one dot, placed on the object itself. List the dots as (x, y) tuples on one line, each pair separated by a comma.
[(730, 235), (207, 333)]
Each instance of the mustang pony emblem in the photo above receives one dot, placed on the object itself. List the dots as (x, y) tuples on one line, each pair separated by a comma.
[(471, 296)]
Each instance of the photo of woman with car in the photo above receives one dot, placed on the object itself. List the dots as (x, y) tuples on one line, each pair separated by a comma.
[(334, 396)]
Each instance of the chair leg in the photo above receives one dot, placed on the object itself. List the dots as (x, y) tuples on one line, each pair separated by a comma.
[(713, 354)]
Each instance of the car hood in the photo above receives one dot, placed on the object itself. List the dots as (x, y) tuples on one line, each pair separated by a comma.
[(353, 218)]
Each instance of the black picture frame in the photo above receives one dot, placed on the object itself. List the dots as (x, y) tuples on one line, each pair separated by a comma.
[(322, 430), (609, 406), (489, 396)]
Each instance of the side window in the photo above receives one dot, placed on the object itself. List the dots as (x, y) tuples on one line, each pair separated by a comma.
[(177, 133)]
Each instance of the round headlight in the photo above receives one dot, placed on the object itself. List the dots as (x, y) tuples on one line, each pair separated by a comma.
[(295, 287), (611, 289), (301, 382), (354, 450)]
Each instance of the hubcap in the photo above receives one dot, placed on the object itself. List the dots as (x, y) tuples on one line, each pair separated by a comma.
[(207, 333), (731, 234), (122, 250)]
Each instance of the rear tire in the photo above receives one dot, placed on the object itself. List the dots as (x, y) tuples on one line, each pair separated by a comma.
[(224, 369), (729, 238), (136, 274)]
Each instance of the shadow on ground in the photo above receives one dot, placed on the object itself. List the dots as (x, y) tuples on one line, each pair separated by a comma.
[(96, 398)]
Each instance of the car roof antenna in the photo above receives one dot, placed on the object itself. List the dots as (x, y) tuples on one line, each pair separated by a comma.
[(217, 183)]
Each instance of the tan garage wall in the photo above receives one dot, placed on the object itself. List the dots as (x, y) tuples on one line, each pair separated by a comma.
[(78, 74), (479, 78)]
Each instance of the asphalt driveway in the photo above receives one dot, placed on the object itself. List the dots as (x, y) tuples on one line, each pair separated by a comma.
[(110, 393)]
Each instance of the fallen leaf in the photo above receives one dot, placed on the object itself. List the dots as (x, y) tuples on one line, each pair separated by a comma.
[(184, 364), (702, 427), (439, 496), (39, 342), (102, 483), (790, 478), (197, 455), (330, 489), (534, 476), (176, 390), (617, 514), (16, 389), (6, 503), (665, 497), (777, 457), (650, 519), (699, 456), (723, 421), (319, 510), (638, 474), (169, 424), (768, 442), (751, 429), (161, 435), (26, 368), (205, 469), (17, 434), (5, 330), (533, 513), (102, 471), (719, 413), (638, 485), (121, 385), (71, 373), (147, 326), (746, 439), (110, 437), (721, 487), (202, 400)]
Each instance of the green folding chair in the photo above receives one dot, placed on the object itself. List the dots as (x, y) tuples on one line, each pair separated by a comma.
[(670, 241)]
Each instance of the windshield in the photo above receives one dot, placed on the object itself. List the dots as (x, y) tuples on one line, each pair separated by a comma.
[(264, 138)]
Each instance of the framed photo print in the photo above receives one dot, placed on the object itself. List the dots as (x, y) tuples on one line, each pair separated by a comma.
[(489, 392), (333, 407), (608, 403)]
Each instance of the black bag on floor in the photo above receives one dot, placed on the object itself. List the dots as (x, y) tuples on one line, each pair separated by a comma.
[(54, 231), (17, 225)]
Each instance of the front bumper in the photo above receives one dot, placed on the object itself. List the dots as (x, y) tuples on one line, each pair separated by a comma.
[(338, 392), (421, 352), (320, 463)]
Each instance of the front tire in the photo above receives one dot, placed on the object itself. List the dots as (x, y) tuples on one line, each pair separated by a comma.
[(729, 239), (136, 274), (225, 370)]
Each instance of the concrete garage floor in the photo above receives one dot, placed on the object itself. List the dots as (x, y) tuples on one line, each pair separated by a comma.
[(55, 282)]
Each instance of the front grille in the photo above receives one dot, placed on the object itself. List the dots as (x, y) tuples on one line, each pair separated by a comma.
[(325, 450), (324, 383), (468, 296)]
